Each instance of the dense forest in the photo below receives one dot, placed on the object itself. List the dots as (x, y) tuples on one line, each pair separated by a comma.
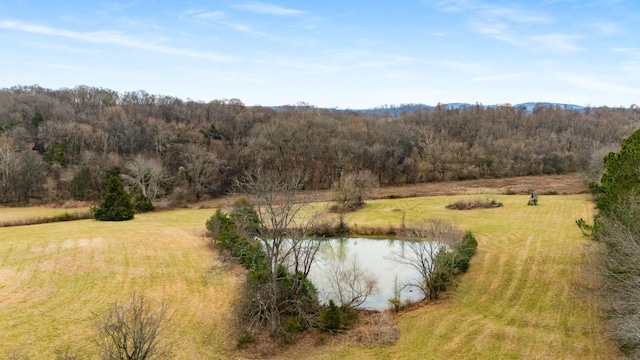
[(57, 145)]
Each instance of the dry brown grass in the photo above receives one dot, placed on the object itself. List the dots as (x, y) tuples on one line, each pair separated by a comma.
[(55, 279)]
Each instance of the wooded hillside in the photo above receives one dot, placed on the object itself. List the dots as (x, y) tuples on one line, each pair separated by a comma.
[(57, 145)]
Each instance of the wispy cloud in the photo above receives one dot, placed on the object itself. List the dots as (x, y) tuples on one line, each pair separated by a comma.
[(48, 45), (627, 50), (512, 76), (455, 5), (111, 37), (270, 9), (467, 67), (439, 33), (556, 42), (606, 28), (499, 31), (632, 68), (548, 42), (510, 24), (215, 15), (516, 15), (75, 68), (223, 19), (492, 11), (592, 83), (385, 62)]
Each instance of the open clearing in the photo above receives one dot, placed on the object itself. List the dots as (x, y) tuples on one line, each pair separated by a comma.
[(55, 278), (526, 294)]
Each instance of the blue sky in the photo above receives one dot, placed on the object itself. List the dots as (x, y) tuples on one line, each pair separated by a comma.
[(345, 54)]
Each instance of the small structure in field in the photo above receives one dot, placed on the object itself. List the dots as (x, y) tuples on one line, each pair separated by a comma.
[(533, 199)]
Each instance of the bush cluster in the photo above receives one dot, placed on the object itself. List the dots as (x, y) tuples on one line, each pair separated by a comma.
[(449, 264), (235, 233), (465, 251), (142, 203), (470, 204), (245, 250)]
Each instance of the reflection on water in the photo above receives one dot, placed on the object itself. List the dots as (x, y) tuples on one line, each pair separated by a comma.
[(371, 255)]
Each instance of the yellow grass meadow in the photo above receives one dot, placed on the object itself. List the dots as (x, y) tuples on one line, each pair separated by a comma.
[(527, 294)]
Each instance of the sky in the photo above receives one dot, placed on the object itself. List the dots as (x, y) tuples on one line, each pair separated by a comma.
[(338, 54)]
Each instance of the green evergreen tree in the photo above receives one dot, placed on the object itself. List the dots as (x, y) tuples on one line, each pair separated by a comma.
[(115, 204), (211, 133), (622, 176), (330, 317), (37, 119), (56, 154)]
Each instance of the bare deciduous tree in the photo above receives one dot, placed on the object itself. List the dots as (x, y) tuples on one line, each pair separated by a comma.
[(147, 175), (133, 331), (290, 255), (29, 176), (353, 188), (427, 254), (8, 162), (350, 284), (201, 169)]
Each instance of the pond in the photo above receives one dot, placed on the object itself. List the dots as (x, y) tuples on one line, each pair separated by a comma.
[(372, 256)]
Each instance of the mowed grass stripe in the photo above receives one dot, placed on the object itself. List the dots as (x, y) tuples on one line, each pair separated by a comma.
[(57, 277), (524, 296)]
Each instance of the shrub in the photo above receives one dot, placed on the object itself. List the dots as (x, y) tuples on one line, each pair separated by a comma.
[(330, 317), (245, 339), (245, 217), (291, 328), (348, 316), (465, 251), (247, 251), (142, 203), (470, 204)]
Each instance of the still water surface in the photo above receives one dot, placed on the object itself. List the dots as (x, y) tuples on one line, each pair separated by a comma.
[(372, 256)]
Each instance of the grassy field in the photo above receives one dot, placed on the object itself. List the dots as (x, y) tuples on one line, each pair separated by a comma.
[(56, 278), (526, 294)]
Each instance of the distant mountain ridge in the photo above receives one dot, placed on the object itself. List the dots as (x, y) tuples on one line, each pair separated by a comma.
[(396, 110)]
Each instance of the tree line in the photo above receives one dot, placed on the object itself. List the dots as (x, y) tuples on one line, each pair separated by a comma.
[(57, 145), (616, 227)]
